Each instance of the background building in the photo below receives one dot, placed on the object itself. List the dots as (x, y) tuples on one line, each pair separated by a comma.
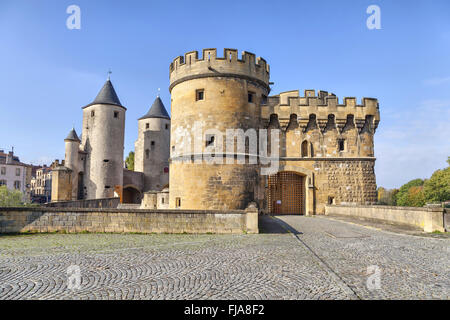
[(14, 174), (93, 167), (41, 184)]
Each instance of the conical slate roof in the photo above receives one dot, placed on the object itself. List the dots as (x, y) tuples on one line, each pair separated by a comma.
[(107, 95), (157, 110), (72, 136)]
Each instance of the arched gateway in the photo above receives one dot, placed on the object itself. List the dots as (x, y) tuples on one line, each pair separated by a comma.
[(286, 193), (131, 195)]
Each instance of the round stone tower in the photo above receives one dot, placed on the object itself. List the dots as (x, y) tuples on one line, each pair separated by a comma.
[(152, 148), (211, 95), (103, 142), (72, 144)]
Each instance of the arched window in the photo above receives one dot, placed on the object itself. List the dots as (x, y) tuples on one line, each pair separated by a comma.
[(273, 123), (304, 148)]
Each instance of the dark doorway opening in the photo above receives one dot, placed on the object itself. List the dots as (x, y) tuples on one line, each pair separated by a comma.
[(131, 195)]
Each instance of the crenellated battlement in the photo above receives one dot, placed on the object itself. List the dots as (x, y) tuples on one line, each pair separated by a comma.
[(190, 66), (321, 105), (322, 99)]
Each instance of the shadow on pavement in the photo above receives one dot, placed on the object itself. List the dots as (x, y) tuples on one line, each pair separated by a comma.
[(272, 225)]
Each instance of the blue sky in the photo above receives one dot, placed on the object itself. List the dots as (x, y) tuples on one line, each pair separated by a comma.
[(48, 72)]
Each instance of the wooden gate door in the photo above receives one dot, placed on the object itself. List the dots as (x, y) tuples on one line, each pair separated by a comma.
[(286, 193)]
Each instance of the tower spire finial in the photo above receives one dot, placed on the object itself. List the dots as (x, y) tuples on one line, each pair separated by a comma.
[(109, 74), (159, 89)]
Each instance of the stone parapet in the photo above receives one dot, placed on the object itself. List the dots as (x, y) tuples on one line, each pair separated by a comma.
[(322, 106), (430, 219), (190, 66), (71, 220)]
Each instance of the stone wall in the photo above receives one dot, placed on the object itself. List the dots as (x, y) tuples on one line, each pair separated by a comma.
[(212, 186), (447, 219), (430, 219), (93, 203), (364, 116), (133, 179), (61, 184), (345, 181), (225, 106), (19, 220), (339, 180), (152, 166), (155, 200)]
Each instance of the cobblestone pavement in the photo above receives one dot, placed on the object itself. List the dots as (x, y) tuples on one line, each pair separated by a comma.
[(321, 259), (411, 267)]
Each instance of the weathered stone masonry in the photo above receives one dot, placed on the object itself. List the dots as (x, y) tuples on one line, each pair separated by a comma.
[(16, 220), (325, 147), (327, 142)]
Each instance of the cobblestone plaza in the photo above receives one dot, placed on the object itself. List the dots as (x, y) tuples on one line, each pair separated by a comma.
[(319, 258)]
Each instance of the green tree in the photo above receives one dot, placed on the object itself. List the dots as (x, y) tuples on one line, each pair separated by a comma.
[(394, 197), (129, 161), (10, 198), (403, 196), (437, 188)]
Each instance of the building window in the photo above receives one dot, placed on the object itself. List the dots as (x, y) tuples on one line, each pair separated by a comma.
[(3, 170), (177, 202), (167, 126), (199, 94), (147, 153), (166, 169), (152, 145), (17, 171), (173, 148), (251, 97), (147, 125), (116, 114), (305, 148), (330, 200), (341, 144), (2, 182), (162, 200), (92, 113), (17, 185), (210, 139)]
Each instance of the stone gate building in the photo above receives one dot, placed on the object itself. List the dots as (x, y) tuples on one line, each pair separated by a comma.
[(324, 149)]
